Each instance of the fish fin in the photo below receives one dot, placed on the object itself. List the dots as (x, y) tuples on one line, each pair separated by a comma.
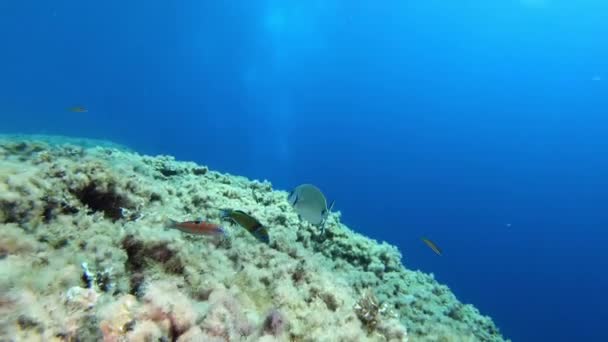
[(223, 236), (325, 212), (199, 220), (261, 233), (225, 213)]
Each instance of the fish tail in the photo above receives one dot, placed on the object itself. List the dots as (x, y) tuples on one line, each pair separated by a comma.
[(225, 213), (331, 206), (171, 223), (222, 232)]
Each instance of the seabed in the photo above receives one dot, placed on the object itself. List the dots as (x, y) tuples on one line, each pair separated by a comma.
[(85, 256)]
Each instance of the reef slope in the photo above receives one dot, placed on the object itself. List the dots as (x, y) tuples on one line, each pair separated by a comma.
[(84, 256)]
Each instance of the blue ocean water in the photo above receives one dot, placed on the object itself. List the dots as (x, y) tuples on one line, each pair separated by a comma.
[(479, 124)]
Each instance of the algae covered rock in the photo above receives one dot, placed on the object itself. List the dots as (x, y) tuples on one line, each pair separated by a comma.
[(85, 255)]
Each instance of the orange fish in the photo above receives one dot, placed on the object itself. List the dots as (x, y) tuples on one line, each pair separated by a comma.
[(198, 227), (432, 245)]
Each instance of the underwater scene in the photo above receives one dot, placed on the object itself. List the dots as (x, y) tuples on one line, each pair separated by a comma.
[(265, 170)]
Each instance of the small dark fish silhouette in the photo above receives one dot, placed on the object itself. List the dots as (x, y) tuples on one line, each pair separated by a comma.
[(432, 245), (78, 109)]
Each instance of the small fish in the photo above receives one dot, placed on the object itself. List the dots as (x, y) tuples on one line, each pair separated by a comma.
[(432, 245), (310, 204), (198, 227), (78, 109), (248, 222)]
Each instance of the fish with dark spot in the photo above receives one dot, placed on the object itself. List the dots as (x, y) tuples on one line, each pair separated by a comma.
[(250, 223)]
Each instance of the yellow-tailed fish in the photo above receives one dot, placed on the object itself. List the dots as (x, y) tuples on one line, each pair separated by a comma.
[(432, 245), (248, 222)]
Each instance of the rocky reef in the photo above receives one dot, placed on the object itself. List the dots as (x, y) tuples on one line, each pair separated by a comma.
[(85, 256)]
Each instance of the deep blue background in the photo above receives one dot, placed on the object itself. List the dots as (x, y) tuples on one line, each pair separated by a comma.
[(418, 117)]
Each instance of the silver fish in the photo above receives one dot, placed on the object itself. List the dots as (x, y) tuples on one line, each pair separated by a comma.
[(310, 204)]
